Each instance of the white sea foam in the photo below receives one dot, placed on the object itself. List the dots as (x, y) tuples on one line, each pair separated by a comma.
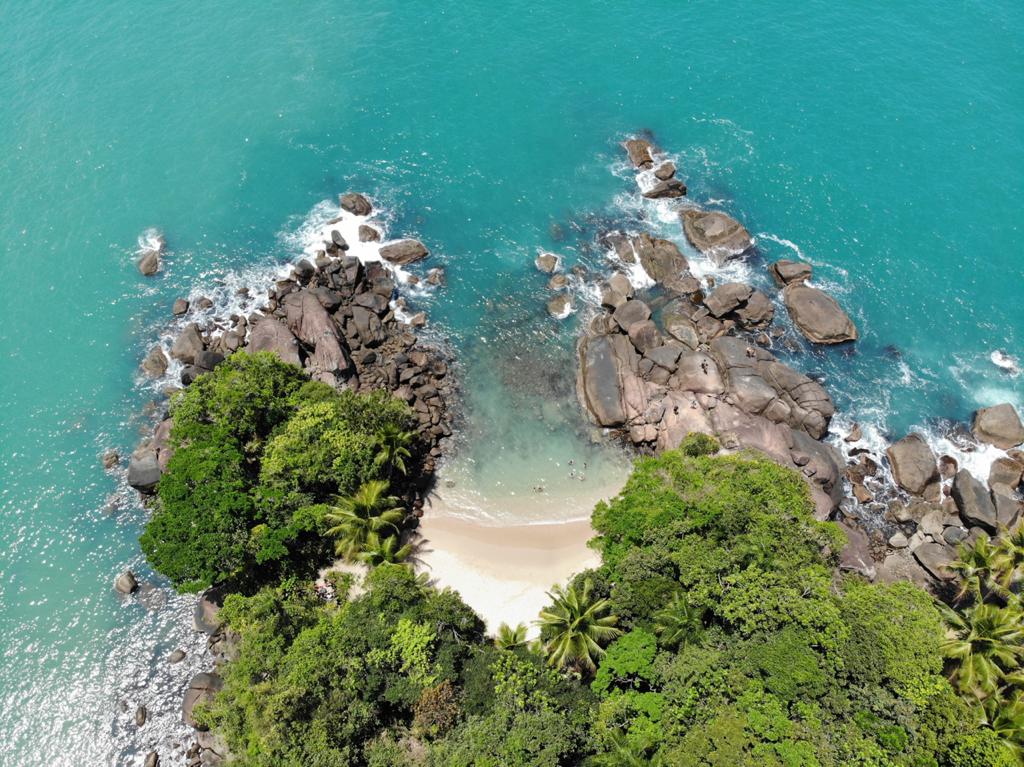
[(244, 291)]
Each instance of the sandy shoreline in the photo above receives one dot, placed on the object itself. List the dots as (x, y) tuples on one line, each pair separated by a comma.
[(503, 571)]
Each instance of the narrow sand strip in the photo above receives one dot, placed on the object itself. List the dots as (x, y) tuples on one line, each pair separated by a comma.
[(503, 572)]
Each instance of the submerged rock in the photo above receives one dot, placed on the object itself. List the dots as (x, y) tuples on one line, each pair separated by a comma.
[(715, 234), (817, 315), (998, 425)]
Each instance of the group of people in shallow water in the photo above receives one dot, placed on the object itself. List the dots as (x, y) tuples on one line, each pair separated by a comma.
[(573, 474)]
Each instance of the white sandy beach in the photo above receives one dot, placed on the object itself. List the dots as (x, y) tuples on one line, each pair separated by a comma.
[(503, 571)]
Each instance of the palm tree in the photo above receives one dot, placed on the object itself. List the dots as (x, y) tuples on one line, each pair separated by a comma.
[(392, 448), (379, 550), (679, 623), (355, 517), (1006, 718), (986, 646), (509, 638), (624, 753), (578, 626), (1009, 557), (977, 569)]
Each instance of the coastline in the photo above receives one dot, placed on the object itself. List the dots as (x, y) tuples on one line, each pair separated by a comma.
[(504, 571)]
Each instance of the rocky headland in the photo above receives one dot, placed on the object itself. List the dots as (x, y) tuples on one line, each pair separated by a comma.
[(339, 317), (689, 355)]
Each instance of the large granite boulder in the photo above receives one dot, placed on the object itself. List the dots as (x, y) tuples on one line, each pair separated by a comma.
[(355, 203), (307, 318), (973, 501), (855, 556), (201, 689), (817, 315), (404, 252), (155, 363), (631, 313), (913, 464), (936, 559), (269, 335), (547, 263), (1008, 509), (715, 234), (609, 384), (785, 271), (204, 616), (188, 344), (727, 297), (661, 259), (669, 188), (998, 425), (149, 262), (144, 470), (640, 152), (126, 583)]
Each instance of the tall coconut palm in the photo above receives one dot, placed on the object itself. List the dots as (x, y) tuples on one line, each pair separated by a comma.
[(976, 566), (577, 626), (679, 623), (369, 510), (986, 646), (1009, 557), (384, 549), (1006, 718), (392, 446), (509, 638)]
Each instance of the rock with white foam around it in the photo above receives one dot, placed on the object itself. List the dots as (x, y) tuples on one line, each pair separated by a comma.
[(355, 203), (403, 252), (716, 235), (640, 152), (998, 425), (817, 315)]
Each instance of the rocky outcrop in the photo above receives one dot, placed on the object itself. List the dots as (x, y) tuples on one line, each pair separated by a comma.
[(201, 690), (715, 234), (269, 335), (404, 252), (746, 307), (547, 263), (817, 315), (640, 153), (149, 261), (126, 583), (355, 203), (654, 389), (913, 466), (998, 425), (785, 272), (155, 363)]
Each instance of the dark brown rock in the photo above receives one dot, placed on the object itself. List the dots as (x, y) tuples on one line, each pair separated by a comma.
[(785, 272), (355, 203), (715, 234), (817, 315), (640, 152), (404, 252)]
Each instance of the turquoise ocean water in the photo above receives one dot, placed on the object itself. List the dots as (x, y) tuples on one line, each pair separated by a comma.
[(882, 141)]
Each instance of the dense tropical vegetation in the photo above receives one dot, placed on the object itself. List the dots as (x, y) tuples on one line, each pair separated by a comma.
[(267, 467), (716, 632)]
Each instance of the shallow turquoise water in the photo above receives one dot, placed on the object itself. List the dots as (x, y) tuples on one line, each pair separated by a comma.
[(887, 144)]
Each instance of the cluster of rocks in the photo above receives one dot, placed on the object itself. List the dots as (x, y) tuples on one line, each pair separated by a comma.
[(947, 505), (693, 359), (209, 748), (654, 384), (337, 318), (657, 178)]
